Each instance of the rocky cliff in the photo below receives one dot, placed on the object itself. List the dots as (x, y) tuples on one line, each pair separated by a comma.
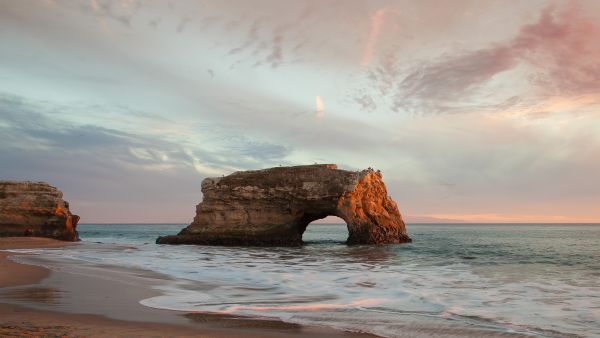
[(274, 206), (35, 209)]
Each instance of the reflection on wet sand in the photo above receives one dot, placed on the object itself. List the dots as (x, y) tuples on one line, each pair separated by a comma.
[(241, 322), (39, 295)]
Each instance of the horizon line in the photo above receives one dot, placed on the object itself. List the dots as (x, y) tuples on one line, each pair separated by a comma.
[(408, 223)]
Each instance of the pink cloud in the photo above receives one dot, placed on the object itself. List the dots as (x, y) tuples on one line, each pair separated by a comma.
[(565, 46), (561, 52)]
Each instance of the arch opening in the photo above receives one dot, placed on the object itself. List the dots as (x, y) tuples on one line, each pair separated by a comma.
[(325, 229)]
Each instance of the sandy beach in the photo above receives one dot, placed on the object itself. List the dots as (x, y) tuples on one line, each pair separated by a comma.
[(108, 307), (103, 301)]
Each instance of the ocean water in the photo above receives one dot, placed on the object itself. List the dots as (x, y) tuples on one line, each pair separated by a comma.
[(541, 280)]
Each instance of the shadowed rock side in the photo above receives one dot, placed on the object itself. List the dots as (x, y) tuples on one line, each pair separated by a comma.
[(274, 206), (35, 209)]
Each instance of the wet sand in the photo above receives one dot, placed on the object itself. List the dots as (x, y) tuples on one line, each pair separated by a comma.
[(12, 273)]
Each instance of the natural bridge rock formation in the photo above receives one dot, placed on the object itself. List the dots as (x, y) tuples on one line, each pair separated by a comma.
[(274, 206), (35, 209)]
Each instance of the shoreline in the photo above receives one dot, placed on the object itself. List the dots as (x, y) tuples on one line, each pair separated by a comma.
[(104, 301), (41, 302)]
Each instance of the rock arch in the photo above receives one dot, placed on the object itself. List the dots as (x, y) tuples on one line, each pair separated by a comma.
[(274, 206)]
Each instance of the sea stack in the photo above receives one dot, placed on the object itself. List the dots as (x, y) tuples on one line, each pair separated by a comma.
[(35, 209), (273, 207)]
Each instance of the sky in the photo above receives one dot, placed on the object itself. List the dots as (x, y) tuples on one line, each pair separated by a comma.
[(477, 111)]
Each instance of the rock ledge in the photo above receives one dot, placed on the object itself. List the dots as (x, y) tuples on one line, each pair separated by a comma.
[(35, 209)]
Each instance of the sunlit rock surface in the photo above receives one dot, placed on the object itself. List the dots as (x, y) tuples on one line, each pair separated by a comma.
[(274, 206), (35, 209)]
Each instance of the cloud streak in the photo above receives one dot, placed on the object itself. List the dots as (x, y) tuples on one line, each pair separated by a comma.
[(376, 23), (320, 113)]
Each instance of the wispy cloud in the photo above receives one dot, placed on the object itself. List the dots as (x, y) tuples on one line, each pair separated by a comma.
[(115, 10), (28, 124)]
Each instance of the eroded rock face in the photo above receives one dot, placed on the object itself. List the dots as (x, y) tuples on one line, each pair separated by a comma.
[(274, 206), (35, 209)]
